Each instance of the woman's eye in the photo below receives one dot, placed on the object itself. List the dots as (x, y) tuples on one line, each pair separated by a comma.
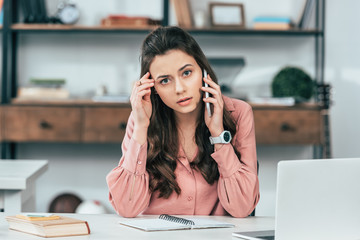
[(187, 73), (164, 81)]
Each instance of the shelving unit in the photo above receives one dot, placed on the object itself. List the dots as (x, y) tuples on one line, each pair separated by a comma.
[(309, 130)]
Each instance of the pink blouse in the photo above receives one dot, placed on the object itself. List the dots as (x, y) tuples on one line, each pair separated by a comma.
[(235, 193)]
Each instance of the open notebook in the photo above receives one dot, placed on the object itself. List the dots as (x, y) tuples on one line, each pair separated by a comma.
[(166, 222)]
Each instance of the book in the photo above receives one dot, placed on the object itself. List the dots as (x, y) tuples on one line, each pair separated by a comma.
[(38, 217), (166, 222), (280, 101), (183, 13), (112, 98), (42, 93), (306, 13), (272, 23), (272, 26), (60, 227), (270, 19), (1, 12)]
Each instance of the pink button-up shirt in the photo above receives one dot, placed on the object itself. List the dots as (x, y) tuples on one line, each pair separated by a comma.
[(235, 193)]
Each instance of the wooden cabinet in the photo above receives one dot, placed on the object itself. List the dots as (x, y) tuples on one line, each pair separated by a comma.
[(105, 124), (296, 126), (80, 123), (28, 123)]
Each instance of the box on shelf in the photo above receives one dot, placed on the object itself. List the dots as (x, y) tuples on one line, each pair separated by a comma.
[(127, 21)]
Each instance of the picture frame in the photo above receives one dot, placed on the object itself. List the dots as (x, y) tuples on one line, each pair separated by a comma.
[(227, 15)]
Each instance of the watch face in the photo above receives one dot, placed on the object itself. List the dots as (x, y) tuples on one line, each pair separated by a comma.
[(69, 14), (227, 136)]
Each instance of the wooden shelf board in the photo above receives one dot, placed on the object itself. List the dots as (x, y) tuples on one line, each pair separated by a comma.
[(75, 28), (305, 106), (21, 27), (66, 102), (89, 102), (249, 31)]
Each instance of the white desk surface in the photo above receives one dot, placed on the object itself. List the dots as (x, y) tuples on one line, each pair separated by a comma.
[(16, 174), (106, 226)]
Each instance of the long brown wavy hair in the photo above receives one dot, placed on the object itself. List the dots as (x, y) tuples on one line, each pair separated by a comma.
[(163, 144)]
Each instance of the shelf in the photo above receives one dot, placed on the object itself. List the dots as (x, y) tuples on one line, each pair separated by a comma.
[(46, 28), (253, 32), (66, 102), (58, 28), (304, 106), (89, 102)]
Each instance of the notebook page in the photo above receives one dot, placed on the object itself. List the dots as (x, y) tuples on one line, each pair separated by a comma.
[(153, 224), (209, 223)]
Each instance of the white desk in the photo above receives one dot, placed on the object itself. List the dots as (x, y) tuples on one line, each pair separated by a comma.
[(105, 226), (17, 183)]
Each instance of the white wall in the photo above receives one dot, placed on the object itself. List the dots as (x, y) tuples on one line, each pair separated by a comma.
[(343, 72), (87, 60)]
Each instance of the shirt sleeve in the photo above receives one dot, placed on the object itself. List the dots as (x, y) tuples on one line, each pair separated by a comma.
[(238, 185), (128, 183)]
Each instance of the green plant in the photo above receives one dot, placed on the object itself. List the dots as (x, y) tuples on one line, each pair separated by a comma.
[(292, 82)]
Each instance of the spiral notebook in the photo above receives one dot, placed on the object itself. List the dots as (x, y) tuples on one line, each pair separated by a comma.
[(166, 222)]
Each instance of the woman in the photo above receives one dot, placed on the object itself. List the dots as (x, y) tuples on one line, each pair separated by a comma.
[(169, 164)]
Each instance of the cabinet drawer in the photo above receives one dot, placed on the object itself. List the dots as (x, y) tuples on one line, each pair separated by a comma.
[(58, 124), (288, 126), (105, 124)]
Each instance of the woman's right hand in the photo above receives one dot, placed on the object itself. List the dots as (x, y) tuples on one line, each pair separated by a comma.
[(140, 101)]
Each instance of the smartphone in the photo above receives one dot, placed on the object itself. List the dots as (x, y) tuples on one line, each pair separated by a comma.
[(207, 95)]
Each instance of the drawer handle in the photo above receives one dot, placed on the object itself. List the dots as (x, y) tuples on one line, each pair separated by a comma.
[(285, 127), (45, 125), (122, 125)]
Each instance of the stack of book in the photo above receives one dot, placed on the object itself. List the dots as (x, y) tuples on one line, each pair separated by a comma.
[(275, 101), (130, 22), (272, 23), (1, 12), (44, 89), (48, 225)]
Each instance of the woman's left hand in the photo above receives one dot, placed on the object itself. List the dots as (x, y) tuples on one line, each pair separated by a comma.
[(215, 122)]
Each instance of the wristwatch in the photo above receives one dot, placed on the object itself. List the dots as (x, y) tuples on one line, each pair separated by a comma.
[(225, 137)]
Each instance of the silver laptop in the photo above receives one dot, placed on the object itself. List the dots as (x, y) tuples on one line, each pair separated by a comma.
[(315, 199)]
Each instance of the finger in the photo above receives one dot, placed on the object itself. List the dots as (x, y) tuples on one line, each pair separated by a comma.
[(143, 86), (217, 106), (211, 83), (215, 93), (145, 83), (137, 100), (146, 76), (147, 95), (142, 80)]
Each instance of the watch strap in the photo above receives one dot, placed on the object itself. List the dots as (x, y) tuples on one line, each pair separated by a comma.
[(214, 140)]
